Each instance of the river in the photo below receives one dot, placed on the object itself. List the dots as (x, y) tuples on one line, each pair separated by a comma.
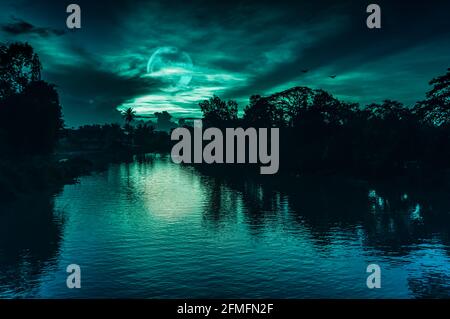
[(154, 229)]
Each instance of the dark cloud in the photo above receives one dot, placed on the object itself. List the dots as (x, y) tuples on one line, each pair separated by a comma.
[(21, 27), (404, 26), (94, 93)]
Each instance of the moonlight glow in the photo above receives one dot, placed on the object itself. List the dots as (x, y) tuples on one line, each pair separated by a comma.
[(172, 66)]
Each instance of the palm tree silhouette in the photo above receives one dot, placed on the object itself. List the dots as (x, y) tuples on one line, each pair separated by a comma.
[(129, 115)]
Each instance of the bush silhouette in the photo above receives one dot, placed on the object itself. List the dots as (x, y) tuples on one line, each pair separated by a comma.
[(30, 112)]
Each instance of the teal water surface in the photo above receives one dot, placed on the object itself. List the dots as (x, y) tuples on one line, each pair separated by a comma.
[(154, 229)]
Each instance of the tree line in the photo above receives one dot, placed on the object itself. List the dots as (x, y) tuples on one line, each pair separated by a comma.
[(320, 133)]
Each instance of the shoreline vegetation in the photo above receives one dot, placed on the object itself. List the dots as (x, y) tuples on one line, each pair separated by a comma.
[(319, 134)]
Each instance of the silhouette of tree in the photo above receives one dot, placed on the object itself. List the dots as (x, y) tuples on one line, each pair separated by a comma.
[(30, 112), (390, 134), (298, 106), (322, 133), (182, 122), (164, 121), (32, 120), (217, 112), (389, 110), (291, 103), (435, 109), (144, 136), (19, 66), (129, 115), (261, 113)]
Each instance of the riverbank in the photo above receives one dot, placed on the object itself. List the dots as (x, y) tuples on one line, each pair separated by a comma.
[(21, 176)]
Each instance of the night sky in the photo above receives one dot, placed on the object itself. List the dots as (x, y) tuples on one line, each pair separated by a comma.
[(237, 48)]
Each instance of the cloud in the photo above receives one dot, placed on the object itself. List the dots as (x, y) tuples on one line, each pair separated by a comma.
[(22, 27), (91, 92)]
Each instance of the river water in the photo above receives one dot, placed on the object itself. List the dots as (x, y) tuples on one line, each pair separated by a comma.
[(154, 229)]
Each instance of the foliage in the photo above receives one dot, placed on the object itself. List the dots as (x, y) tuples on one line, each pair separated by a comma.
[(19, 66), (320, 133), (216, 112), (30, 112), (435, 109)]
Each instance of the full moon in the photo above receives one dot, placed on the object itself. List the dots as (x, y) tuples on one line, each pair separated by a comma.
[(172, 66)]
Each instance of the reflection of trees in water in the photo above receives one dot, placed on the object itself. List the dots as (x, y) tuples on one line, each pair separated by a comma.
[(30, 238), (318, 206), (223, 204), (402, 216), (387, 219), (393, 217), (230, 198)]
